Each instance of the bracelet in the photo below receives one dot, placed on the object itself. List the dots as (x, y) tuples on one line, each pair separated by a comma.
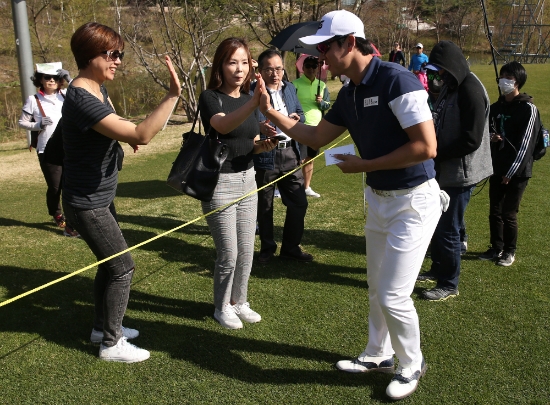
[(270, 108)]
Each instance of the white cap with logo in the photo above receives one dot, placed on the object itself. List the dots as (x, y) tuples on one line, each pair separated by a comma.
[(419, 45), (333, 24)]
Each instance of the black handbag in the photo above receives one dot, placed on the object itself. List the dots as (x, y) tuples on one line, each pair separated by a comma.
[(196, 170)]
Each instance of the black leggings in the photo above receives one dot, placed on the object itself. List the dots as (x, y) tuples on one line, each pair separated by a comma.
[(52, 175)]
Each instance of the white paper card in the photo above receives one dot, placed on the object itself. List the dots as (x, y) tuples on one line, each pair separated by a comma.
[(340, 150)]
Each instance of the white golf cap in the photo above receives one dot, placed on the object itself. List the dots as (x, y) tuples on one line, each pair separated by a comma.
[(419, 45), (335, 23)]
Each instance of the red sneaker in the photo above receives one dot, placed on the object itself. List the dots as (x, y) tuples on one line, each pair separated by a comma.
[(70, 232), (59, 220)]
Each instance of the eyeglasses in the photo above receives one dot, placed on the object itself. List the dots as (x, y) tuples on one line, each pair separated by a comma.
[(310, 66), (114, 55), (433, 76), (270, 71), (324, 47), (50, 77)]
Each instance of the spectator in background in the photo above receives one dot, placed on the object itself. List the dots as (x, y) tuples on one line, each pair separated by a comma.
[(515, 123), (417, 65), (42, 112), (272, 166), (461, 117), (315, 100), (397, 55)]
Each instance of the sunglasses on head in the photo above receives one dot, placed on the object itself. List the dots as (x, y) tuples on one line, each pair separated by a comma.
[(324, 47), (433, 75), (50, 77), (114, 55)]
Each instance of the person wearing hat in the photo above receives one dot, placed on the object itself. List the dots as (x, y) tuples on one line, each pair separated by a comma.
[(386, 111), (41, 113), (463, 159), (314, 97), (418, 61)]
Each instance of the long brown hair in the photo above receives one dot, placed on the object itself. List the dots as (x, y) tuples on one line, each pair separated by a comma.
[(91, 39), (224, 51)]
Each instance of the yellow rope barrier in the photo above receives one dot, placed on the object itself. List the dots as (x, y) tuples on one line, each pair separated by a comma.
[(158, 236)]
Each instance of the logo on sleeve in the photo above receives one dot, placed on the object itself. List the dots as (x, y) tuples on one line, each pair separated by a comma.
[(370, 101)]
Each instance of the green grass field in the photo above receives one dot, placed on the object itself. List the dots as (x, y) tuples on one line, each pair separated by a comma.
[(487, 346)]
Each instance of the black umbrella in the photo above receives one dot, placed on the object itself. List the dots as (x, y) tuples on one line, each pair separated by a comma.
[(287, 39)]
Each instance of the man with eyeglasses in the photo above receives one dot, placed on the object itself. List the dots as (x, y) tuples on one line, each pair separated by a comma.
[(315, 99), (386, 111), (273, 165)]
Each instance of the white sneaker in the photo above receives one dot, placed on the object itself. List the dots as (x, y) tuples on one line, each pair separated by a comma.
[(128, 333), (123, 352), (311, 193), (228, 318), (277, 193), (363, 364), (246, 314), (405, 381)]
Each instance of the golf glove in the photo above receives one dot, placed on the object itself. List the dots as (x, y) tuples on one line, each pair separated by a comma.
[(45, 122), (444, 198)]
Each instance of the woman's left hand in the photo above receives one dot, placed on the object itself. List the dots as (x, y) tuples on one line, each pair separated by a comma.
[(265, 145)]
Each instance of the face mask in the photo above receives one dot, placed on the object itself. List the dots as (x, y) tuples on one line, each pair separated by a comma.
[(435, 86), (506, 86)]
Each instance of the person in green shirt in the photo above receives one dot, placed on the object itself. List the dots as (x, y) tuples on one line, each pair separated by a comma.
[(309, 90)]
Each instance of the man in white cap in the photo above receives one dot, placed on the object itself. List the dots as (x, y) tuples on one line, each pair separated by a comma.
[(386, 112), (417, 65)]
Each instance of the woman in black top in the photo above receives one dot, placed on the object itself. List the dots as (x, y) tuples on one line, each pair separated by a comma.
[(397, 55), (227, 108), (91, 131)]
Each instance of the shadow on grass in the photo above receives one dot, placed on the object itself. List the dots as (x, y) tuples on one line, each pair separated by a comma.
[(195, 257), (146, 189), (42, 226), (63, 313)]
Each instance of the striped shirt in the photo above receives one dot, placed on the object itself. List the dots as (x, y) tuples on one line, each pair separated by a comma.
[(90, 173)]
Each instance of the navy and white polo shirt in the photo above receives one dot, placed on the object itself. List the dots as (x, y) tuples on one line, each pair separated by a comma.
[(388, 99)]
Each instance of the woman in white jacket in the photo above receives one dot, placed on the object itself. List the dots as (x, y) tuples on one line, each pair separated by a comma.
[(41, 112)]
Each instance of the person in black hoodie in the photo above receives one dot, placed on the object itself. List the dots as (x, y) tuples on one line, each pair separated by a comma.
[(515, 123), (461, 118)]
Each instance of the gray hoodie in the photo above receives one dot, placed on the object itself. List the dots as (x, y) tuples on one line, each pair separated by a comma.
[(461, 117)]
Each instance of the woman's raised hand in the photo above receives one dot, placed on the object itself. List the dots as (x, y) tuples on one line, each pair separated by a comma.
[(175, 85), (259, 89)]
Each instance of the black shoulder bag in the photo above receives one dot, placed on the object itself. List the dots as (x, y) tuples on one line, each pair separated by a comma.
[(196, 170)]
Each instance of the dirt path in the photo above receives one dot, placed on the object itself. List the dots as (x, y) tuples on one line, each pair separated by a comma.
[(22, 166)]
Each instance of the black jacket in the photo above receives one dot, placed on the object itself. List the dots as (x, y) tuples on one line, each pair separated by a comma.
[(518, 122)]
